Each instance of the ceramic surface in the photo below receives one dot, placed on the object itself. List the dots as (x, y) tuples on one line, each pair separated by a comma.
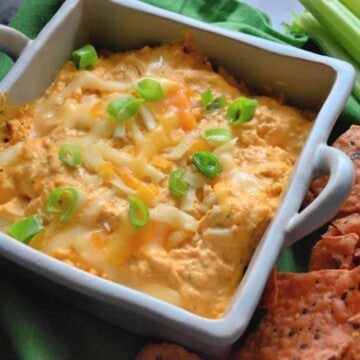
[(305, 79)]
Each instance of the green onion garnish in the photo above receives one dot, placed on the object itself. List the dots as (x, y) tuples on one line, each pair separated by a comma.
[(207, 163), (177, 185), (216, 136), (85, 57), (24, 230), (241, 110), (62, 201), (150, 90), (209, 103), (138, 212), (124, 107), (206, 98), (70, 155)]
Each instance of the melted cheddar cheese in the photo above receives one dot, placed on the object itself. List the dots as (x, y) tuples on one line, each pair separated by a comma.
[(195, 248)]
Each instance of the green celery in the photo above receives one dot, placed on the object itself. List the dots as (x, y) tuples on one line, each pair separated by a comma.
[(353, 6), (341, 23), (307, 23)]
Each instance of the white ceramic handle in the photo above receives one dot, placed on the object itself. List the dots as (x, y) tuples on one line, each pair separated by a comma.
[(339, 167), (12, 42)]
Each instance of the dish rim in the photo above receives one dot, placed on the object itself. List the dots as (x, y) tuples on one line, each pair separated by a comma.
[(228, 328)]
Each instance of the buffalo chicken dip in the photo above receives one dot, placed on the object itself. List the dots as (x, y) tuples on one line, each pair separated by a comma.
[(150, 169)]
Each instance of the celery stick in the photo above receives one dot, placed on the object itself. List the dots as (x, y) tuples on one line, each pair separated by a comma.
[(339, 21), (353, 6), (307, 23)]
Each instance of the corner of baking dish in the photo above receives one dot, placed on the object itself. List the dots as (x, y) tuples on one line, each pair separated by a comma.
[(216, 333)]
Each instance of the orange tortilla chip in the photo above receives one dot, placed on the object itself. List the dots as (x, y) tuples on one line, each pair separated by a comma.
[(165, 352), (339, 246), (334, 252), (348, 224), (349, 143), (311, 319), (269, 298), (353, 352)]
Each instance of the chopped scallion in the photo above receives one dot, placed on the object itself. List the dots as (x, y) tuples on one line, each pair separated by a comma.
[(138, 212), (210, 104), (207, 163), (70, 155), (62, 201), (241, 110), (85, 57), (206, 98), (124, 107), (24, 230), (177, 185), (217, 136), (150, 89)]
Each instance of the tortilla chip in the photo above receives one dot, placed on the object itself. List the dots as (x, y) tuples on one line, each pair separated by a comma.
[(339, 246), (165, 352), (311, 319), (334, 252), (269, 297), (349, 143), (348, 224), (353, 353), (356, 257)]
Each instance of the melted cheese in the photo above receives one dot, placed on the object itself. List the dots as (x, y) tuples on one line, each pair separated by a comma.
[(194, 249)]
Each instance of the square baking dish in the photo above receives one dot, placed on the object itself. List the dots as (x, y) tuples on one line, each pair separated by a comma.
[(303, 79)]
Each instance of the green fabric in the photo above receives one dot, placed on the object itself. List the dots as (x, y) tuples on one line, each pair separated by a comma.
[(231, 14), (35, 324)]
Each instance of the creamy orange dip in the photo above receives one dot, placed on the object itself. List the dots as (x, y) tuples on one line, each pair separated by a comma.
[(194, 248)]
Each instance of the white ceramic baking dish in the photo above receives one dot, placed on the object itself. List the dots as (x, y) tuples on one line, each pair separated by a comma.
[(304, 79)]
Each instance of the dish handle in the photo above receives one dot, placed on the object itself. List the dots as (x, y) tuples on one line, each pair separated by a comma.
[(328, 160), (12, 42)]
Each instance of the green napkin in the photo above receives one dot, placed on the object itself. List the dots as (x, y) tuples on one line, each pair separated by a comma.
[(231, 14), (35, 324)]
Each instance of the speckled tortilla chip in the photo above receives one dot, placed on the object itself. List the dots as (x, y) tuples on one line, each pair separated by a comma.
[(339, 246), (348, 224), (165, 352), (311, 319), (349, 143), (334, 252)]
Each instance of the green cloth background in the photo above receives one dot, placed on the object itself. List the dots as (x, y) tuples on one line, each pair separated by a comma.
[(34, 323)]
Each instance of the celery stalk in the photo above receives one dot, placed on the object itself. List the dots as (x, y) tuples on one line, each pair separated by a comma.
[(353, 6), (339, 21), (307, 23)]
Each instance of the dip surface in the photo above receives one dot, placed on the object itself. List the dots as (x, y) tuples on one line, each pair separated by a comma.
[(194, 248)]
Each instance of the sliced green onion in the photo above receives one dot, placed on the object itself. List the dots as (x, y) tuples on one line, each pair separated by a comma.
[(216, 136), (24, 230), (70, 155), (241, 110), (62, 201), (209, 103), (124, 107), (206, 98), (85, 57), (218, 103), (177, 185), (150, 89), (138, 212), (207, 163)]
